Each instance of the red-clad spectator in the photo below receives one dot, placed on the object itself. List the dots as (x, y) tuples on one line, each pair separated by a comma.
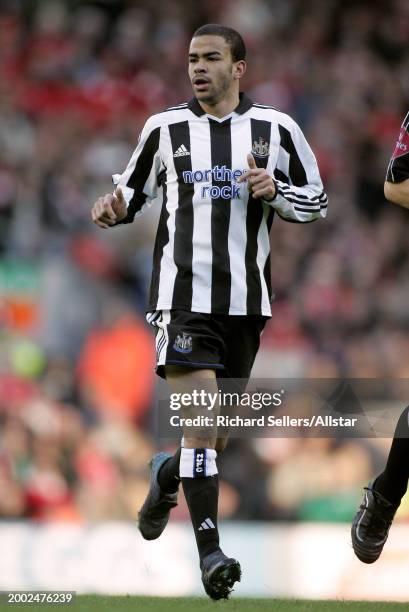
[(116, 368)]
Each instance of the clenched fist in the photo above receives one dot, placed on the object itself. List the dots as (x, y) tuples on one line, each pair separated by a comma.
[(109, 209)]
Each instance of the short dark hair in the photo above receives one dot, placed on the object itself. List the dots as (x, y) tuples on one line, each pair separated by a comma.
[(232, 37)]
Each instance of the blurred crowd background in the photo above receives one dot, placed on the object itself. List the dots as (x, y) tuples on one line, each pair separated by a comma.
[(77, 81)]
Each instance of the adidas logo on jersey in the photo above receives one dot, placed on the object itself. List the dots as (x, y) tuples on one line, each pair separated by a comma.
[(181, 151), (207, 524)]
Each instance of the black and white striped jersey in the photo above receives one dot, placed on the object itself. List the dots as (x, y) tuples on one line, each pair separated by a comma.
[(398, 167), (212, 249)]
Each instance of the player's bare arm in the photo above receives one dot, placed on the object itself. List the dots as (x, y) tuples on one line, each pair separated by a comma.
[(109, 209), (397, 193), (260, 183)]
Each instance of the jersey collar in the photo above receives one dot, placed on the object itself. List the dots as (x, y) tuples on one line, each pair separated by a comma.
[(243, 106)]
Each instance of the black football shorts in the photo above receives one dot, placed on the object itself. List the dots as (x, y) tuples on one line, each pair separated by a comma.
[(225, 343)]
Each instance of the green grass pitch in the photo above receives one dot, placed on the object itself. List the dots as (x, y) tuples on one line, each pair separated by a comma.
[(98, 603)]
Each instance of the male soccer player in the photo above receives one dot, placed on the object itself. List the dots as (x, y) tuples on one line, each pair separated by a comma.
[(383, 495), (222, 166)]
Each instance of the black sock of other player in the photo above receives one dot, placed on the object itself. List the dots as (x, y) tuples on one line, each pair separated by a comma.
[(168, 476), (202, 496), (393, 482)]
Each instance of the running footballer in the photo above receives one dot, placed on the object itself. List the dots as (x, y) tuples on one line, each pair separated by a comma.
[(222, 166)]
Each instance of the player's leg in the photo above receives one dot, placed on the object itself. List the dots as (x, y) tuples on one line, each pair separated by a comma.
[(185, 342), (242, 341), (199, 476), (370, 527), (392, 483), (189, 348), (167, 471), (197, 460)]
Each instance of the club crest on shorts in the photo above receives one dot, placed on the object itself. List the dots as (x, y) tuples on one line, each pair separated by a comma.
[(183, 344), (261, 148)]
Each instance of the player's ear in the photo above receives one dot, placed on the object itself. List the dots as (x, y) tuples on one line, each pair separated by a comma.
[(239, 69)]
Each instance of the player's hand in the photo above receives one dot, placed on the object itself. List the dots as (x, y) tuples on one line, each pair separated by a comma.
[(259, 182), (109, 209)]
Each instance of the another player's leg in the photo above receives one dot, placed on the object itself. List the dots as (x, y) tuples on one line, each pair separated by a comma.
[(392, 483), (370, 527), (199, 477)]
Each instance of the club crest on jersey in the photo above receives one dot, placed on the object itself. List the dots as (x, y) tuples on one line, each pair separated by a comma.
[(183, 344), (261, 148)]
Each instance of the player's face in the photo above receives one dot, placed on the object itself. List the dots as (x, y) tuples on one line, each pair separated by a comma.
[(212, 71)]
